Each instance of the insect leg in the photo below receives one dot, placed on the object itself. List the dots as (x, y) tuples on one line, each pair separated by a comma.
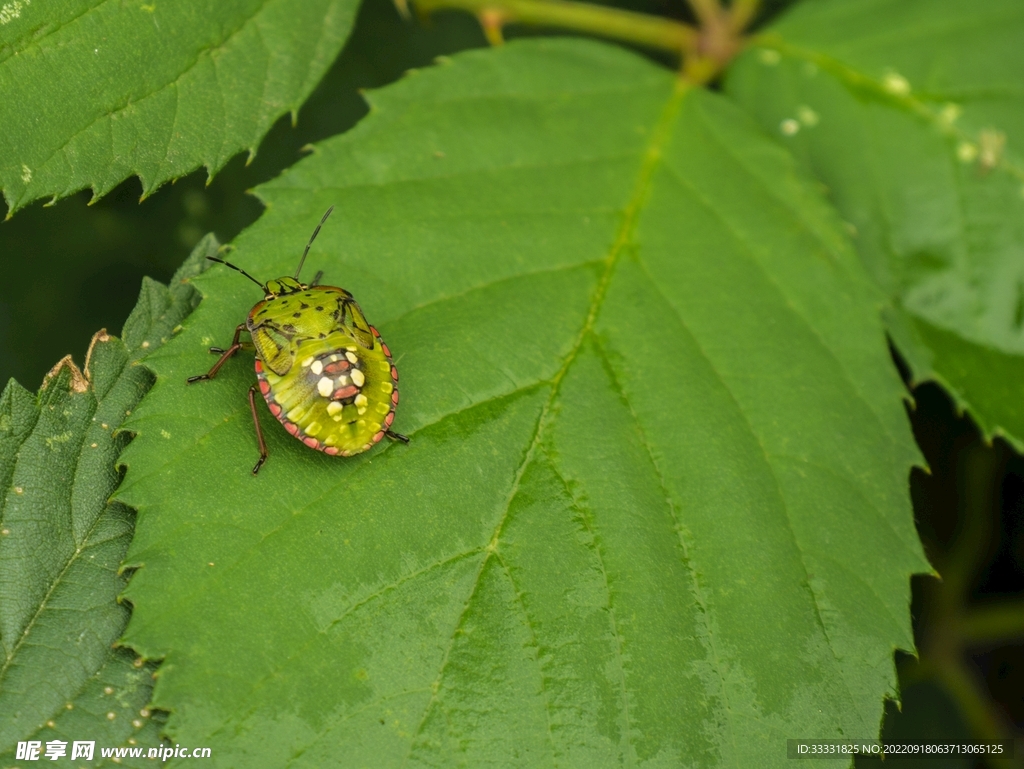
[(241, 346), (396, 436), (225, 354), (259, 431)]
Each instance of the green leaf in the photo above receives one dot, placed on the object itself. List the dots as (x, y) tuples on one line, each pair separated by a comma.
[(97, 91), (911, 112), (62, 541), (655, 503)]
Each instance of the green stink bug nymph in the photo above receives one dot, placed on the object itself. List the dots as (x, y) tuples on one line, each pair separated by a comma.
[(324, 372)]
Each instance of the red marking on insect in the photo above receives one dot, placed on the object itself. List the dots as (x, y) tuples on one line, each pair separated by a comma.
[(376, 333), (259, 366), (378, 436), (274, 409), (332, 450), (345, 392), (389, 419), (264, 387), (394, 397), (394, 373), (384, 347), (311, 442), (291, 427), (337, 367)]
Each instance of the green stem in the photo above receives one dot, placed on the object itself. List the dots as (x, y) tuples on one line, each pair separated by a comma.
[(992, 625), (741, 13), (706, 11), (639, 28)]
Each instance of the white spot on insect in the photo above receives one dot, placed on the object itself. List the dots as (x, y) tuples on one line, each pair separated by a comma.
[(896, 84), (949, 114), (165, 434), (334, 409), (357, 377), (351, 357), (11, 11), (26, 173), (770, 57), (807, 116), (361, 403), (306, 363), (789, 126), (385, 367), (325, 387), (317, 368), (966, 152), (351, 349), (313, 428), (386, 387)]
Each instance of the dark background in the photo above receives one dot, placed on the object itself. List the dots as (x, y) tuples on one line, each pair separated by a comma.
[(71, 269)]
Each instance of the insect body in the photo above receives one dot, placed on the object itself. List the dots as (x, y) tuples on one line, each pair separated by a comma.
[(323, 370)]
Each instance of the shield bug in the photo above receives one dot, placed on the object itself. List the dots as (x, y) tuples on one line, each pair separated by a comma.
[(323, 370)]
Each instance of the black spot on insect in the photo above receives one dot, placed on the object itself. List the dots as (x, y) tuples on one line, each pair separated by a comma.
[(322, 335), (319, 308), (303, 306), (288, 327), (297, 314)]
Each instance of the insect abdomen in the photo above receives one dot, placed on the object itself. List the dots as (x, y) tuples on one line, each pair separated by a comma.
[(338, 397)]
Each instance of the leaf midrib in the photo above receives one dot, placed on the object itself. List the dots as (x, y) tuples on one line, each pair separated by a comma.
[(651, 159)]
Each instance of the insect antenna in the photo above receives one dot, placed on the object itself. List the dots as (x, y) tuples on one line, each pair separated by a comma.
[(311, 239), (238, 269)]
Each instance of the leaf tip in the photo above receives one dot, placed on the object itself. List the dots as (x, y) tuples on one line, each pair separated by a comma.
[(99, 337), (79, 381)]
